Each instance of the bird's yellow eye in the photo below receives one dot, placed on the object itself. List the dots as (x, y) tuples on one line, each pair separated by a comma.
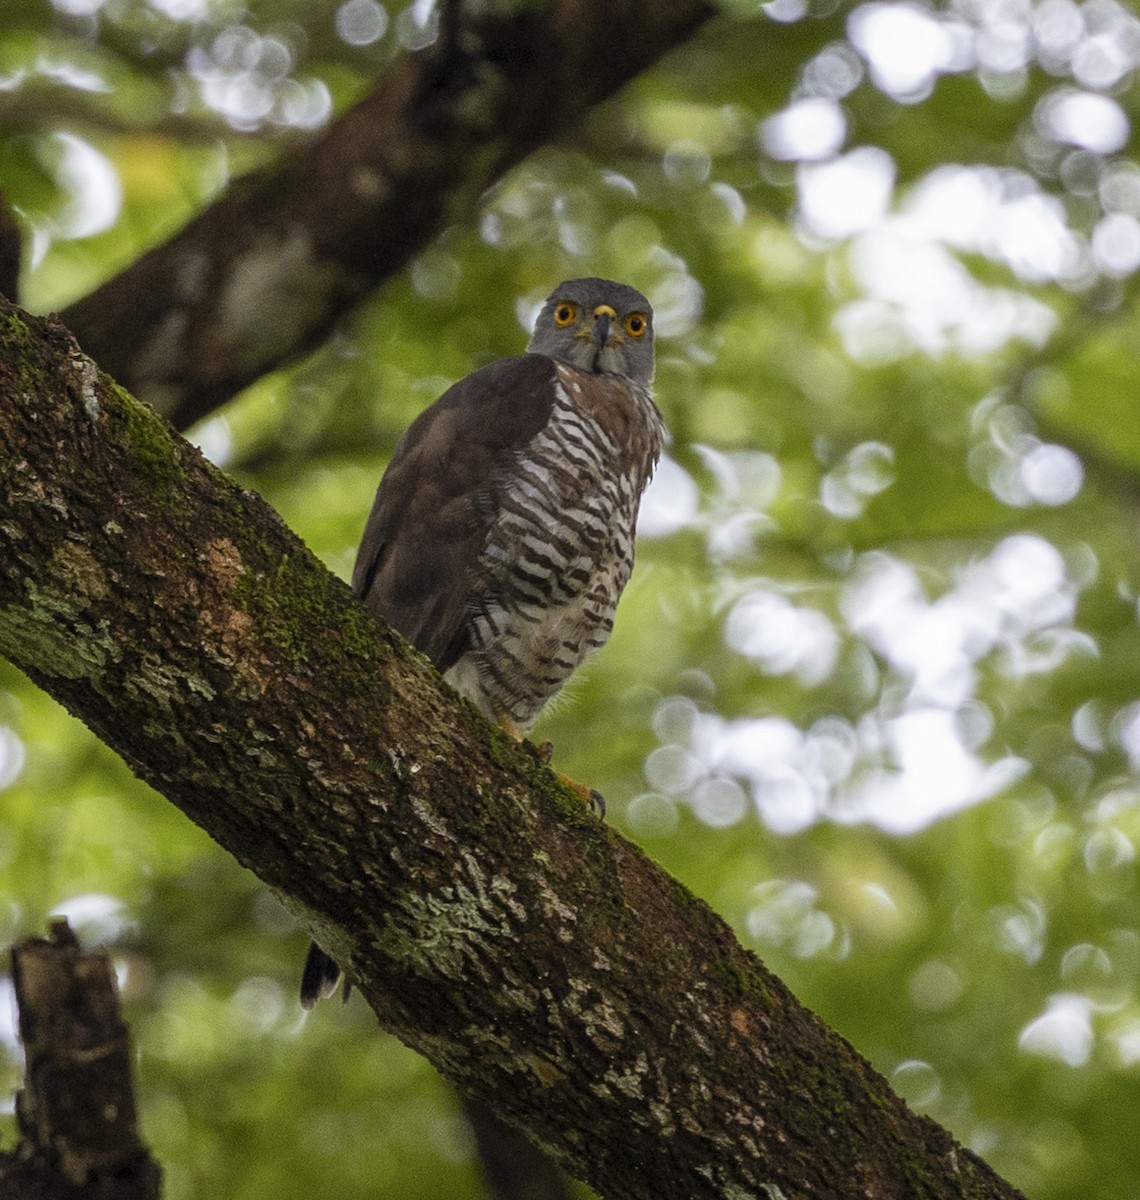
[(564, 313), (636, 324)]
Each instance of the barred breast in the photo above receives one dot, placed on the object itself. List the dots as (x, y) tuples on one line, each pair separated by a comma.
[(560, 550)]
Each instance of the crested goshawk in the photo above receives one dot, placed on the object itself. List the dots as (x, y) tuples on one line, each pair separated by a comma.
[(502, 532)]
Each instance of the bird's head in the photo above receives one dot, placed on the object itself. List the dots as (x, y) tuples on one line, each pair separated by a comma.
[(597, 325)]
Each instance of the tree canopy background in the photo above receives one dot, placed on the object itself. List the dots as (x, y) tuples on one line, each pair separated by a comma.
[(874, 691)]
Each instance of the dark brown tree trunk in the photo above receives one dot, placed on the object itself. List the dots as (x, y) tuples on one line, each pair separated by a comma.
[(79, 1135), (542, 962)]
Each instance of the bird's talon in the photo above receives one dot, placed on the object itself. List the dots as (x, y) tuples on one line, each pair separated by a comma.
[(590, 797), (541, 752)]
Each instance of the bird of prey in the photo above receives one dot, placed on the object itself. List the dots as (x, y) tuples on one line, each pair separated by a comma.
[(501, 535)]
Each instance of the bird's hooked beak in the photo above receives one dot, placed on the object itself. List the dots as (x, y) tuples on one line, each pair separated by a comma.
[(604, 316)]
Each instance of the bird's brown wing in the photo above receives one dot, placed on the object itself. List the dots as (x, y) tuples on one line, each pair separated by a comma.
[(436, 502)]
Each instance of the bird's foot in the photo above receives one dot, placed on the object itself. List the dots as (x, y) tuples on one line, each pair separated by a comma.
[(543, 752), (590, 797)]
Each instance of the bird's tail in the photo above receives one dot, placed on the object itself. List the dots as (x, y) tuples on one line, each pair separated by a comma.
[(319, 978)]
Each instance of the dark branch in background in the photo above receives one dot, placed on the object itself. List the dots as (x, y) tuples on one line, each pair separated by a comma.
[(513, 1167), (79, 1135), (11, 251), (263, 274), (542, 962)]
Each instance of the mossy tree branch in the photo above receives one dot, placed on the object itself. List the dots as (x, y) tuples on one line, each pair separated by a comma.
[(542, 962)]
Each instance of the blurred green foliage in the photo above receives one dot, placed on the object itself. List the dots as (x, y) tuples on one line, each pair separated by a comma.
[(874, 691)]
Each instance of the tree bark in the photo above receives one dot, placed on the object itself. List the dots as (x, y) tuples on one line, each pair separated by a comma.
[(542, 962), (262, 274), (76, 1113)]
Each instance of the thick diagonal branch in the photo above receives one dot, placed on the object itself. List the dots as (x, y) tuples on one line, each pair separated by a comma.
[(262, 274), (537, 958)]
